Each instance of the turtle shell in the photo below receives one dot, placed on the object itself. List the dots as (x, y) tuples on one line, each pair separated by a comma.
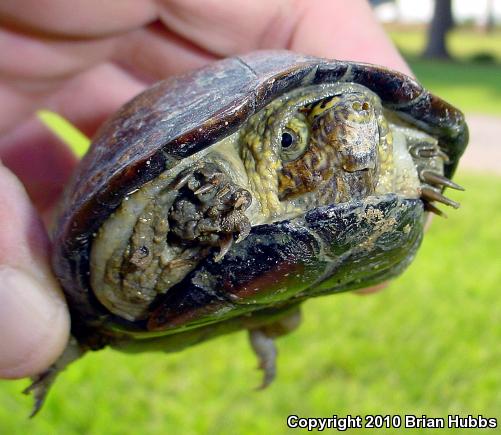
[(183, 115)]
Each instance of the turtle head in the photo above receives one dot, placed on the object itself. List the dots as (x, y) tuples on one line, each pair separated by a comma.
[(331, 146), (316, 147), (348, 124)]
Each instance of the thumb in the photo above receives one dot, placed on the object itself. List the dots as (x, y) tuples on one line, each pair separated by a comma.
[(34, 321)]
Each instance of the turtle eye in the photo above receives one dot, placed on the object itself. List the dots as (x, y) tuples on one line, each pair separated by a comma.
[(295, 138), (288, 139)]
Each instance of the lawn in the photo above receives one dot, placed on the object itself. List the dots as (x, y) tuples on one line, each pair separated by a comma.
[(471, 85), (427, 345), (464, 44)]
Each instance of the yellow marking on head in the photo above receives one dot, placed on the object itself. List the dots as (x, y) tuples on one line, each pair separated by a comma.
[(319, 108)]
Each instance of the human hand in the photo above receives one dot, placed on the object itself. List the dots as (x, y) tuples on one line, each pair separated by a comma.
[(84, 59)]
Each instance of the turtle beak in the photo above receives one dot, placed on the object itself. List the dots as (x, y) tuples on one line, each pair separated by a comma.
[(357, 173), (358, 157), (353, 136), (357, 145)]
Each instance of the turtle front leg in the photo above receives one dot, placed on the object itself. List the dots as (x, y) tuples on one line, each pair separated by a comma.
[(210, 209), (262, 340)]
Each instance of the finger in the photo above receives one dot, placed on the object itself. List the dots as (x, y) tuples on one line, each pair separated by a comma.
[(40, 161), (224, 28), (78, 18), (42, 61), (327, 28), (91, 97), (154, 53), (38, 158), (34, 322), (15, 106), (194, 36), (345, 31), (33, 68)]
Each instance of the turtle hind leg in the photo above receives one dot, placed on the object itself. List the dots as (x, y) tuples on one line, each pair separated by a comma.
[(266, 352), (39, 388), (43, 381), (262, 340)]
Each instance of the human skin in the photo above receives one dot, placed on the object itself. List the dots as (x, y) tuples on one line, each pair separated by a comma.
[(84, 59)]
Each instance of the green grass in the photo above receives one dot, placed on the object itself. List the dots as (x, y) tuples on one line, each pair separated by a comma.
[(430, 344), (470, 85), (464, 44)]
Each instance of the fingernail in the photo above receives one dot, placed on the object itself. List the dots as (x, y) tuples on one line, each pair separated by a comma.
[(33, 324)]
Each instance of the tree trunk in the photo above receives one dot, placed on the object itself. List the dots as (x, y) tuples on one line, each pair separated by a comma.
[(441, 23), (490, 21)]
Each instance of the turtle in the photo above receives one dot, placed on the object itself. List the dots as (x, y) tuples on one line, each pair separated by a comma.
[(220, 200)]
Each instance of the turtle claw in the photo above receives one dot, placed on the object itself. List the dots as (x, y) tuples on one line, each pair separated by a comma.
[(204, 189), (428, 206), (428, 151), (41, 383), (224, 246), (430, 159), (262, 340), (39, 388), (431, 194), (423, 151), (266, 351), (210, 209), (183, 180), (436, 179)]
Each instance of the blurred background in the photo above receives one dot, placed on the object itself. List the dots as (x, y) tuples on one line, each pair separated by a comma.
[(429, 344)]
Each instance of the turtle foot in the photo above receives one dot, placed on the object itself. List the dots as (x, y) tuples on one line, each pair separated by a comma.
[(43, 381), (429, 159), (210, 209), (266, 352), (262, 340), (40, 387)]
